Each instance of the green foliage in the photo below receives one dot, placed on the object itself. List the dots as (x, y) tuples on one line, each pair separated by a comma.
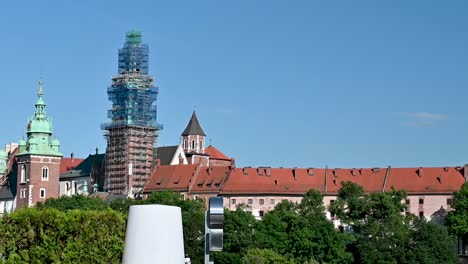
[(51, 236), (77, 201), (457, 219), (302, 232), (383, 233), (430, 244), (238, 236), (263, 256), (193, 218)]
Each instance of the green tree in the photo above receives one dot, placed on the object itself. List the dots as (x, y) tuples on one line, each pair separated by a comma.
[(384, 233), (50, 236), (264, 256), (77, 201), (193, 218), (302, 232), (238, 236), (430, 244), (457, 219)]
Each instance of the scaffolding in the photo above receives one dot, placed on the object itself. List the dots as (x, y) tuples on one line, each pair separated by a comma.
[(132, 128)]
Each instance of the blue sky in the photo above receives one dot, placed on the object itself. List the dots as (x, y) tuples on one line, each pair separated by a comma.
[(275, 83)]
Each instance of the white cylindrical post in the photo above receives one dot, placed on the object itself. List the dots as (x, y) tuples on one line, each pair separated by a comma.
[(154, 235)]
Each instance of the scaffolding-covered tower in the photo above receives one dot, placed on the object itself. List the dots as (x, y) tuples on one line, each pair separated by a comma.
[(132, 129)]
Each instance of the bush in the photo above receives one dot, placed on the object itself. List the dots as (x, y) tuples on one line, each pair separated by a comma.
[(47, 235)]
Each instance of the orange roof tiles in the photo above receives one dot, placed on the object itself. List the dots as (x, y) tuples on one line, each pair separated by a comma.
[(426, 180), (69, 163), (227, 180), (175, 177), (214, 153)]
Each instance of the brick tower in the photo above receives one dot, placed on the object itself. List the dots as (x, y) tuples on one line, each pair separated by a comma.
[(38, 160), (132, 129)]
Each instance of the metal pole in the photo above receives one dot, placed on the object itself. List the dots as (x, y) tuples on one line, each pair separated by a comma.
[(207, 241)]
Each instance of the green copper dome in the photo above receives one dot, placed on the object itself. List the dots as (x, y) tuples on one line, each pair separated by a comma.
[(55, 142), (3, 155), (22, 142), (39, 126), (39, 132)]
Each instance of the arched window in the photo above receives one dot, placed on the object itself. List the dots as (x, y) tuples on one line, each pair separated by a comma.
[(201, 144), (45, 173), (23, 174), (185, 144), (193, 144)]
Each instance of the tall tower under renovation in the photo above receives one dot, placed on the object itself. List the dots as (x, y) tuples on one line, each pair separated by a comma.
[(132, 129)]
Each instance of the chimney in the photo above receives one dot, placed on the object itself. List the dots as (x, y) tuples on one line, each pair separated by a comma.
[(181, 159), (233, 162), (72, 157), (97, 151), (268, 171), (420, 172), (310, 171)]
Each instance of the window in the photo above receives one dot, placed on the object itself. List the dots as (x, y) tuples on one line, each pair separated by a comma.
[(23, 193), (421, 214), (233, 201), (421, 201), (261, 213), (182, 196), (45, 173), (262, 201), (42, 193), (23, 174), (185, 144), (407, 201), (250, 201), (196, 197), (332, 202), (201, 143), (272, 201), (193, 144)]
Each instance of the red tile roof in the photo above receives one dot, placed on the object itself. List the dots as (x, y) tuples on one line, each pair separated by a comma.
[(69, 163), (227, 180), (214, 153), (173, 177), (426, 180)]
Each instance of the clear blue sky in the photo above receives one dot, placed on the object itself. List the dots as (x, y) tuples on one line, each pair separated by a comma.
[(275, 83)]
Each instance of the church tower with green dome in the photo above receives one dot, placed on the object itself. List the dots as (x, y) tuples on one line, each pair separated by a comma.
[(38, 159)]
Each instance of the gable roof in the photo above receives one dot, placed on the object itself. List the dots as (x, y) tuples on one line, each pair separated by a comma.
[(68, 164), (193, 127), (227, 180), (165, 154), (173, 177), (85, 168), (214, 153)]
